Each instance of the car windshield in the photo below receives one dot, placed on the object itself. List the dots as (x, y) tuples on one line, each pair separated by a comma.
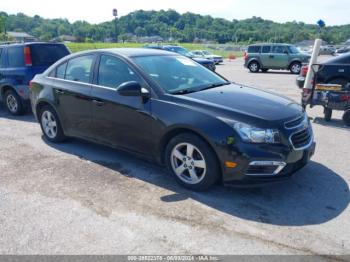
[(178, 74), (293, 49)]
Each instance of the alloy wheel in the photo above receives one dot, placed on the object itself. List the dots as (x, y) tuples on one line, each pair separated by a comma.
[(12, 103), (188, 163), (49, 124), (296, 68)]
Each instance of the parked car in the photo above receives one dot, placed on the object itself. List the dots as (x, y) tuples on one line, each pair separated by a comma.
[(183, 51), (206, 54), (274, 56), (333, 71), (166, 107), (19, 63), (327, 50), (343, 50)]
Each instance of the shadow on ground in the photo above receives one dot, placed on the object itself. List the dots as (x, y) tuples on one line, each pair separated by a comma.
[(314, 195), (335, 123), (26, 117)]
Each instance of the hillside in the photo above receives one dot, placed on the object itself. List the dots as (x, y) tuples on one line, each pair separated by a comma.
[(170, 24)]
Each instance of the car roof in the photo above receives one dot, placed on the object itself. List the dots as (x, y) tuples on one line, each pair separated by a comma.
[(130, 52), (269, 44), (9, 44)]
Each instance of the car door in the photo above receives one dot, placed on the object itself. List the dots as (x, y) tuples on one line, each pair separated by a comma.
[(279, 57), (72, 89), (266, 57), (120, 120)]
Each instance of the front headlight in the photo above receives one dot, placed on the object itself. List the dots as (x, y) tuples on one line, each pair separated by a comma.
[(256, 135)]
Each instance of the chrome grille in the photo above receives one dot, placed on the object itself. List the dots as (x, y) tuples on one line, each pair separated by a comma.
[(301, 138)]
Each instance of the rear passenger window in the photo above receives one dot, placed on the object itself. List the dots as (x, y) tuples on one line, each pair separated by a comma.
[(266, 49), (254, 49), (15, 56), (113, 72), (61, 71), (79, 69)]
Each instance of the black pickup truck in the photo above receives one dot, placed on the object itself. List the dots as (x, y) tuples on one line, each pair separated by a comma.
[(333, 71)]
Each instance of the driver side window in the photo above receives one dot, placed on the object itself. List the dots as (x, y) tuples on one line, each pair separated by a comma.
[(113, 72)]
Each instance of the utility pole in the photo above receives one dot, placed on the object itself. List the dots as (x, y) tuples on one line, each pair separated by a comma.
[(115, 14)]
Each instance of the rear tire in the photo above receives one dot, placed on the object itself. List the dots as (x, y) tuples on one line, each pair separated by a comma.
[(328, 114), (295, 68), (13, 103), (192, 162), (346, 117), (254, 67), (51, 125)]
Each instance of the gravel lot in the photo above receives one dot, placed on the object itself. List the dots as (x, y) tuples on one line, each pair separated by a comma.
[(82, 198)]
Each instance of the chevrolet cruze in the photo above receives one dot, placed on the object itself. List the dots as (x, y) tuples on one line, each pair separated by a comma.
[(170, 109)]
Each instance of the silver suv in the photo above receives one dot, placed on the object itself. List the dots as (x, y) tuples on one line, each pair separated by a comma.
[(274, 56)]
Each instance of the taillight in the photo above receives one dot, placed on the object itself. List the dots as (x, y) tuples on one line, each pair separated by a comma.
[(245, 56), (344, 98), (27, 56), (304, 70)]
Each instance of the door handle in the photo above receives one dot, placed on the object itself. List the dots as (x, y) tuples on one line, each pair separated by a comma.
[(98, 102)]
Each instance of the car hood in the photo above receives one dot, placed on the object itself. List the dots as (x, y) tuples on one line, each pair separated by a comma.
[(242, 103)]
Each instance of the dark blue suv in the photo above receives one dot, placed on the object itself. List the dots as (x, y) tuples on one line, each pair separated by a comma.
[(19, 63)]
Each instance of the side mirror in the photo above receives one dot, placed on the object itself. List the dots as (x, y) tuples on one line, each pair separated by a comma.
[(133, 88), (286, 52)]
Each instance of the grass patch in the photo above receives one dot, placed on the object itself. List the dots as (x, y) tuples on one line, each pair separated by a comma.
[(76, 47)]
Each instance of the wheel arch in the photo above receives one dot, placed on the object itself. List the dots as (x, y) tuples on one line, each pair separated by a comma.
[(4, 89), (181, 130), (254, 59), (293, 62), (337, 77), (40, 104)]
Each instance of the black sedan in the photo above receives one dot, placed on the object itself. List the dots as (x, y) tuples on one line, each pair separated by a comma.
[(333, 71), (168, 108)]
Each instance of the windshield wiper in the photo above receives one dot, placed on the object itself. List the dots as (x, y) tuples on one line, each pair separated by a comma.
[(215, 85), (183, 91)]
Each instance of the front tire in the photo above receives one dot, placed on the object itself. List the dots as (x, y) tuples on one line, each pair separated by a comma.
[(13, 103), (192, 162), (50, 125), (254, 67)]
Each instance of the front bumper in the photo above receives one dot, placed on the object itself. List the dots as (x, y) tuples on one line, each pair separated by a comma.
[(264, 164), (218, 60)]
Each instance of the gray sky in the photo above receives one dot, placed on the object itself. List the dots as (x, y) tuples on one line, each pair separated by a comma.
[(333, 12)]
